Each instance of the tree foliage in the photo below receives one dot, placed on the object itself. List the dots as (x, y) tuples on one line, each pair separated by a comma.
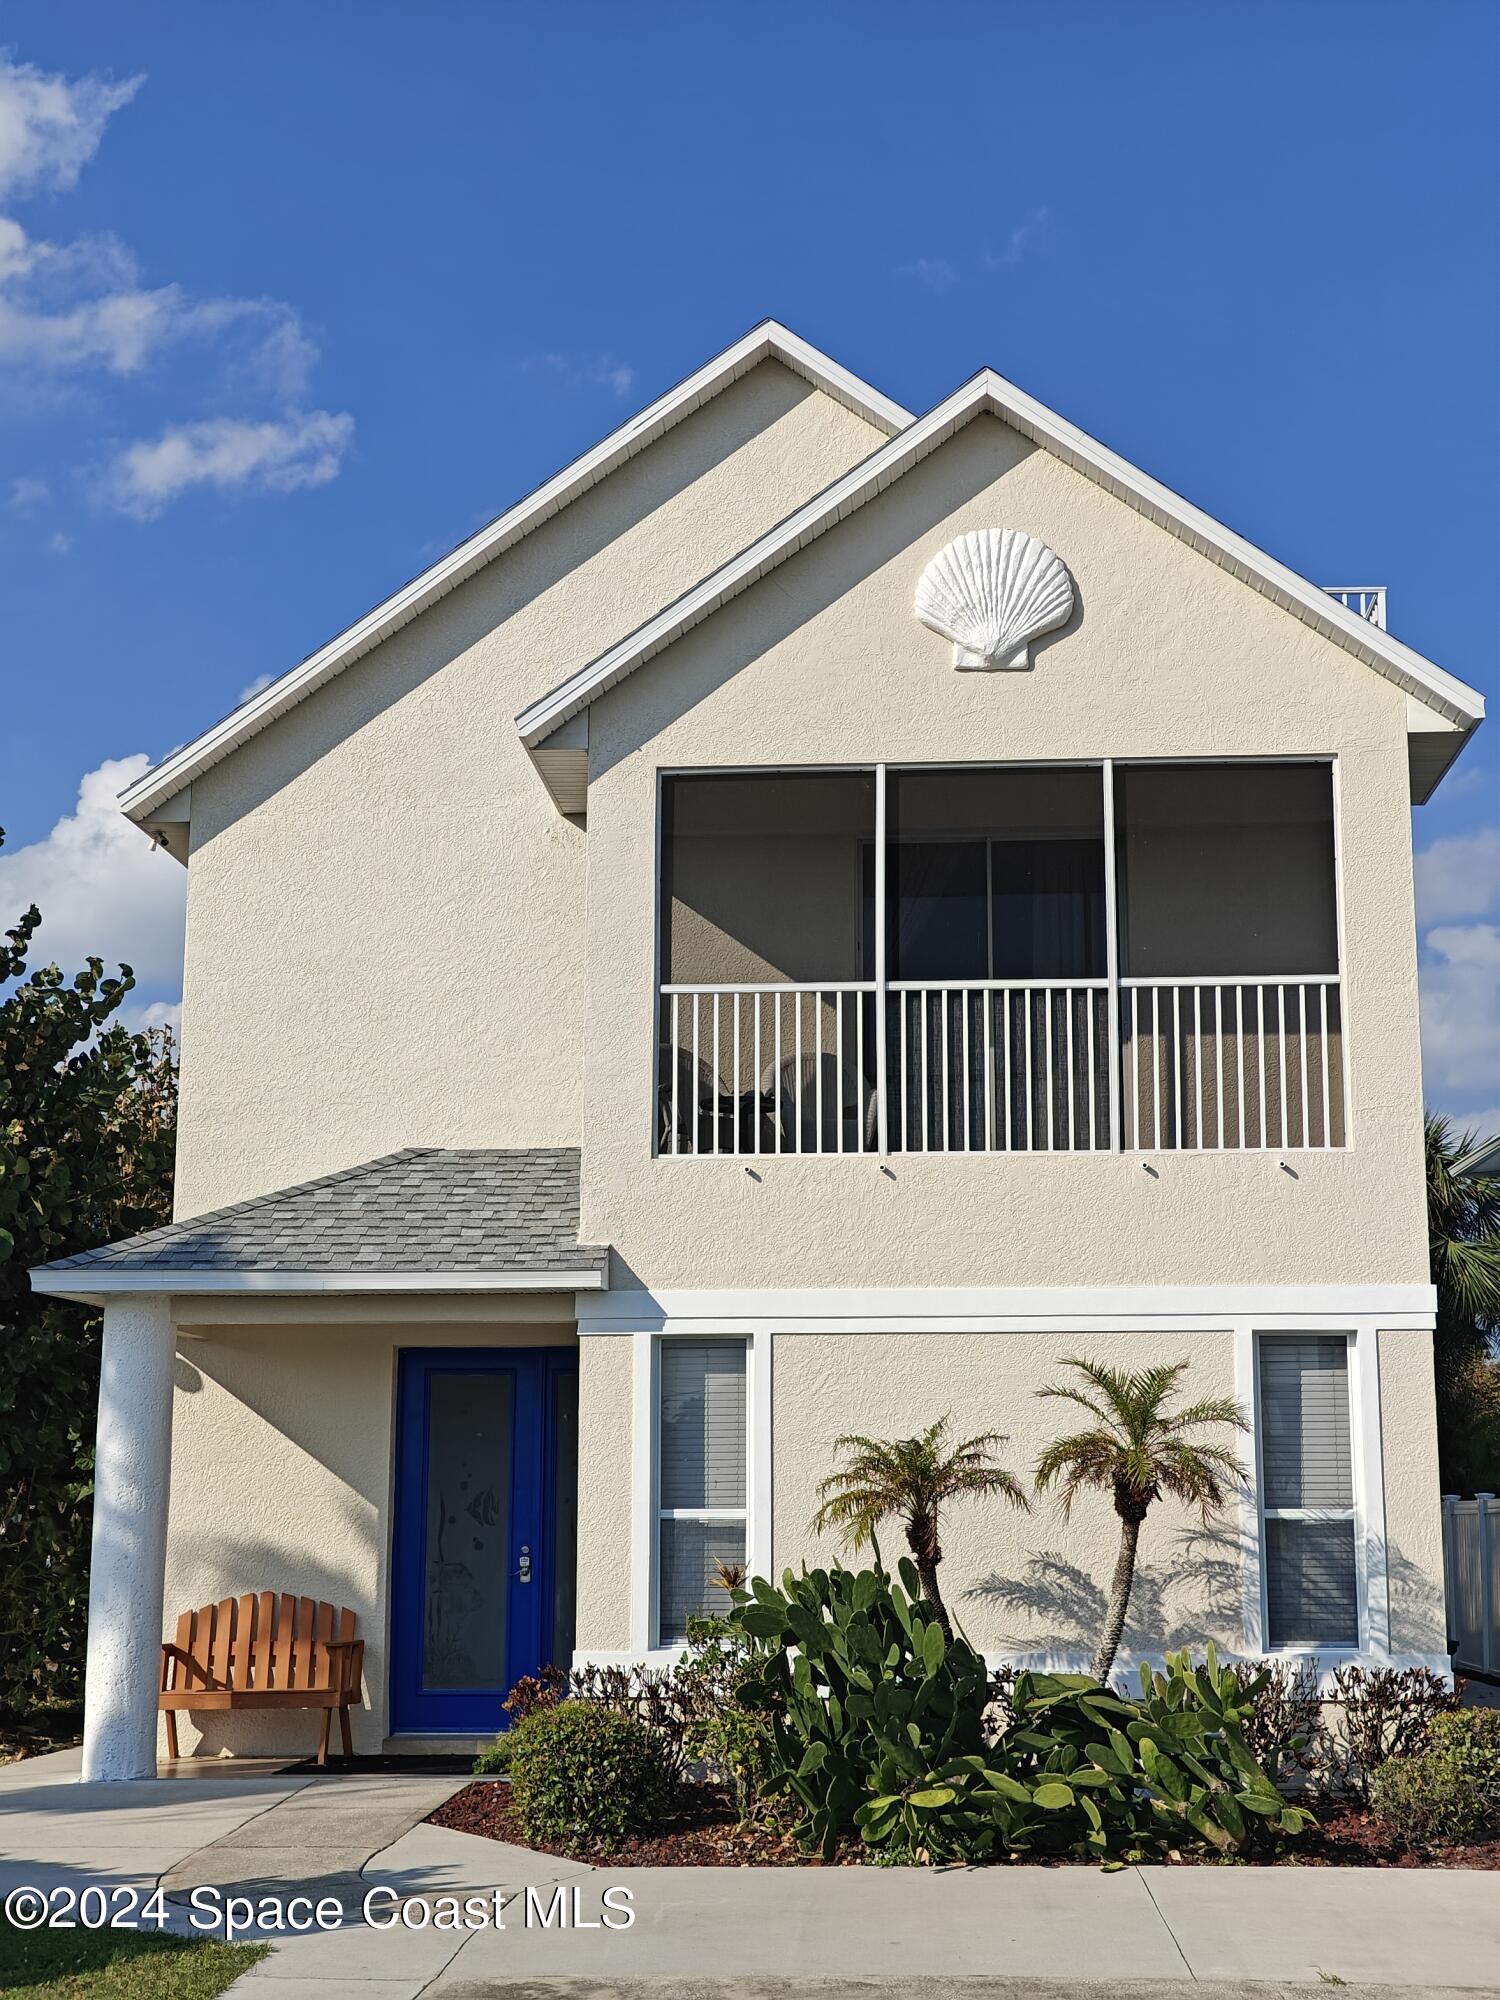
[(912, 1479), (1463, 1235), (1138, 1448), (87, 1129)]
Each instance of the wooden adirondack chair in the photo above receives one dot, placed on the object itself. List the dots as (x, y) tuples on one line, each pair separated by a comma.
[(263, 1651)]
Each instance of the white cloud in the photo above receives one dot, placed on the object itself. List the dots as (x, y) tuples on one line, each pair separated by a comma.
[(1460, 988), (75, 310), (1459, 876), (599, 371), (152, 1014), (230, 455), (1021, 239), (255, 686), (27, 494), (50, 127), (102, 889), (59, 544), (937, 274)]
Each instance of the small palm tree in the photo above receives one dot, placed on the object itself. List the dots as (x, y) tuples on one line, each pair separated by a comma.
[(1138, 1449), (913, 1478)]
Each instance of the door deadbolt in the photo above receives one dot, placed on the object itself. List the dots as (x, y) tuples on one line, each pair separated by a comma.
[(524, 1572)]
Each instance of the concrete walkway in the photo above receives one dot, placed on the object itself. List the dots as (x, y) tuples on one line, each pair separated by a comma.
[(722, 1934)]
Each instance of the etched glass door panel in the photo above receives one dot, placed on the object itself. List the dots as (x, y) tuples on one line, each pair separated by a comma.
[(470, 1425)]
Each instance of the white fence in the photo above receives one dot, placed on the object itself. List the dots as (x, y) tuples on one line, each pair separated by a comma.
[(1001, 1066), (1471, 1564)]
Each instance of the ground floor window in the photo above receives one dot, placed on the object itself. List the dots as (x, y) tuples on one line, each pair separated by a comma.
[(1307, 1492), (700, 1478)]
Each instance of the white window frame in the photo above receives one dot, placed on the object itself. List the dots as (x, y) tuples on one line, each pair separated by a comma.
[(645, 1569), (1371, 1580)]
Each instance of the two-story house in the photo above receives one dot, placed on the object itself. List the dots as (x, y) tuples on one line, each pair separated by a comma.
[(810, 919)]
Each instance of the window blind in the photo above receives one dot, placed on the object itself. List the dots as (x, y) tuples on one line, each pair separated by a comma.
[(1304, 1403), (1307, 1491), (702, 1424)]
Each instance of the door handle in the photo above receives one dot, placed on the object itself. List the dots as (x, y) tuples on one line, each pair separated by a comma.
[(523, 1574)]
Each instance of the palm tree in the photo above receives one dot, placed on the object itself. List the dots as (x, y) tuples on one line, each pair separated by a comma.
[(913, 1478), (1463, 1235), (1138, 1449)]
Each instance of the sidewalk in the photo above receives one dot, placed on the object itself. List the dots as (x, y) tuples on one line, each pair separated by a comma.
[(733, 1934)]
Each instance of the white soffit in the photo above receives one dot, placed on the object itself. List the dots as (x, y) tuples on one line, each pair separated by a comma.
[(768, 341), (1460, 707)]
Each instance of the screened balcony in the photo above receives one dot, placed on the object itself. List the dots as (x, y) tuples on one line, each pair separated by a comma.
[(1006, 959)]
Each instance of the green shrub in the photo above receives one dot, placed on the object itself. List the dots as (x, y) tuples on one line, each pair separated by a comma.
[(1448, 1793), (583, 1776), (877, 1723), (868, 1707), (1379, 1713), (730, 1743), (494, 1759)]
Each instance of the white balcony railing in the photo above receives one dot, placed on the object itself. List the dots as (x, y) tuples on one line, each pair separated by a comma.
[(1001, 1066), (1366, 601), (1224, 1065)]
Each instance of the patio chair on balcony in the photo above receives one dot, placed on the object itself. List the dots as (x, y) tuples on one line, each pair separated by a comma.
[(703, 1106), (847, 1100)]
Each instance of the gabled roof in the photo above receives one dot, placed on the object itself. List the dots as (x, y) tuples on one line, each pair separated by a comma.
[(768, 341), (427, 1218), (1460, 707)]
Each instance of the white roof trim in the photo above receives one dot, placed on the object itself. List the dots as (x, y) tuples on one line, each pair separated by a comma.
[(768, 341), (92, 1285), (990, 393)]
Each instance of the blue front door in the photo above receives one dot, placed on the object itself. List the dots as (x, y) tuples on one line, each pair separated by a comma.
[(484, 1545)]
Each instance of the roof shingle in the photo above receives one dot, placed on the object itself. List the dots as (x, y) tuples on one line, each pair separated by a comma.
[(424, 1209)]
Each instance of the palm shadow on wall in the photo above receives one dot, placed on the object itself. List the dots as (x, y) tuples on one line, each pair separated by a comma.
[(1193, 1594)]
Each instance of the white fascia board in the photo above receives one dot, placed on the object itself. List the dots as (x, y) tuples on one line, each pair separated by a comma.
[(1013, 1308), (768, 341), (989, 393), (92, 1287)]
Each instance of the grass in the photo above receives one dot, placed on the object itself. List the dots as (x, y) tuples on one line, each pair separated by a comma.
[(117, 1965)]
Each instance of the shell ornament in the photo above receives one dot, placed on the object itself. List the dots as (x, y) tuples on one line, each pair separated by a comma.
[(992, 593)]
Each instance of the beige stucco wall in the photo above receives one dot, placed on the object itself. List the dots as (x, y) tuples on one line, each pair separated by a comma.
[(282, 1463), (1413, 1513), (1165, 656), (385, 909), (605, 1427), (1032, 1584)]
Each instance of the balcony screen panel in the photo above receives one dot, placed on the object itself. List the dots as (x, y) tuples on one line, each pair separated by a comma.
[(1226, 870), (760, 876), (702, 1423), (1311, 1594), (936, 893), (1048, 909), (689, 1588), (991, 874), (1304, 1415)]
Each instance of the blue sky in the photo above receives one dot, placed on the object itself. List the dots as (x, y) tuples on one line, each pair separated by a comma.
[(292, 297)]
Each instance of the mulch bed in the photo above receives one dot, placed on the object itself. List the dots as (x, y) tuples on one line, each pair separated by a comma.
[(701, 1833)]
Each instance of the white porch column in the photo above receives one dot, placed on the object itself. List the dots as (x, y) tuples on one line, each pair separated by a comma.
[(132, 1461)]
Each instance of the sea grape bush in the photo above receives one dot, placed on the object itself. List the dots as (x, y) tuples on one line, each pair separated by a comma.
[(878, 1724)]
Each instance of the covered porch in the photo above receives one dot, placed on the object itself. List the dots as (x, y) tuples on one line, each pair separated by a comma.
[(1000, 959), (343, 1410)]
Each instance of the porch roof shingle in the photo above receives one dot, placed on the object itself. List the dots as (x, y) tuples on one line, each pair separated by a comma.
[(426, 1209)]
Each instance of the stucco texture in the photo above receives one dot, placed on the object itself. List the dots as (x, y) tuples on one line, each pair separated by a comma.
[(1027, 1585), (1166, 656), (1032, 1584), (282, 1464), (1413, 1516), (385, 908)]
